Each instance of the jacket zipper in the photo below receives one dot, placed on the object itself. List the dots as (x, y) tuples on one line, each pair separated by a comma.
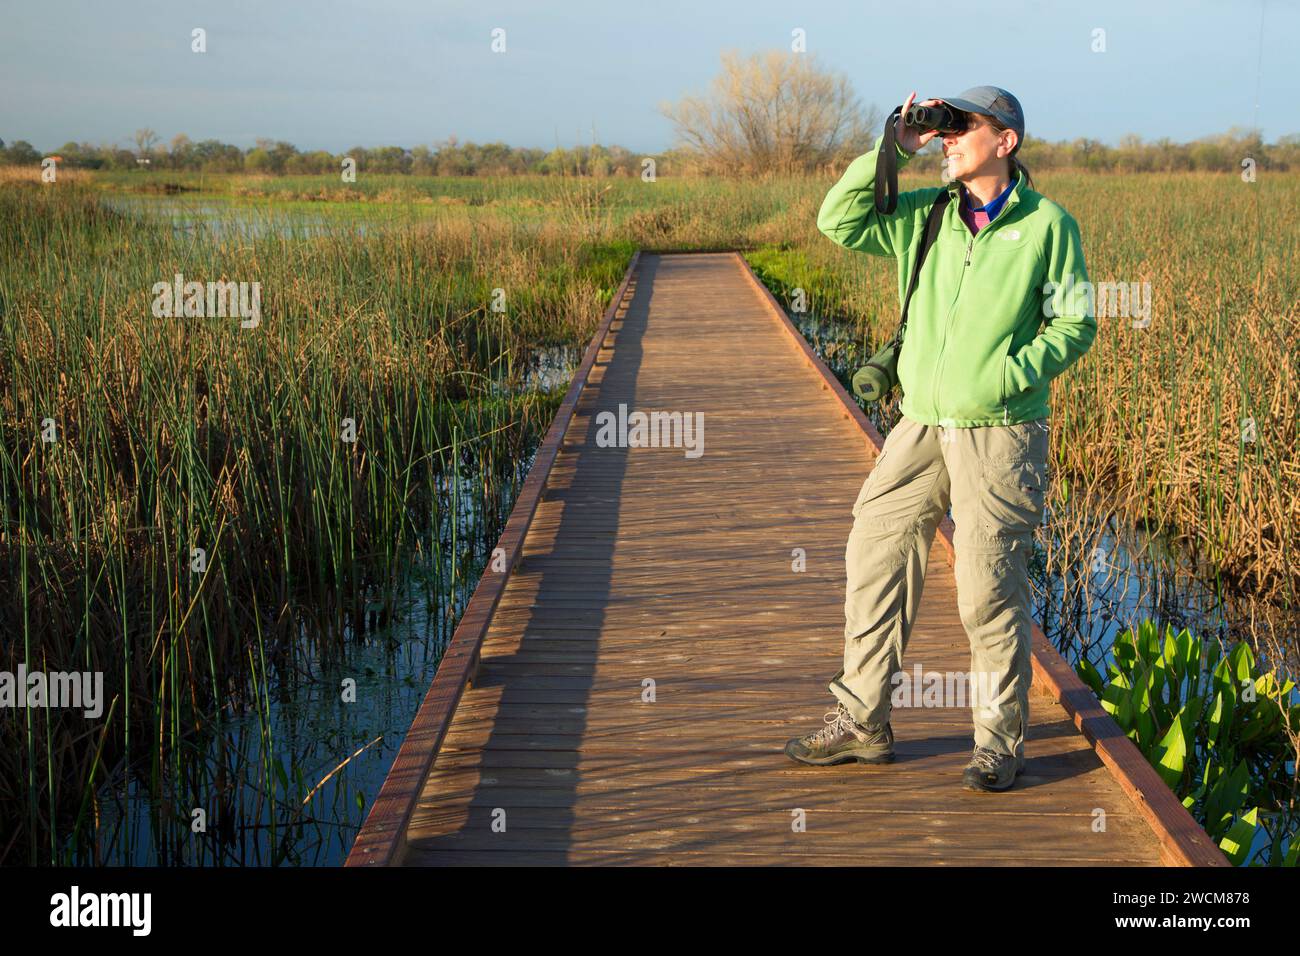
[(970, 245), (947, 324)]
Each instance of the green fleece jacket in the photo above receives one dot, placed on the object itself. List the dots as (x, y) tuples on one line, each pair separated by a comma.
[(995, 316)]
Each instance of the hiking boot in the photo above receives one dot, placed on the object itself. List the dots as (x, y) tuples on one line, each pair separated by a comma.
[(843, 739), (990, 770)]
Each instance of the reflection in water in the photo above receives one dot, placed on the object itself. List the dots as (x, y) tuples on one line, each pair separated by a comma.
[(218, 219), (289, 779)]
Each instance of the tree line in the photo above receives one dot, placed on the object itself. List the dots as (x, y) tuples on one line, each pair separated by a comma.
[(1221, 153), (276, 157)]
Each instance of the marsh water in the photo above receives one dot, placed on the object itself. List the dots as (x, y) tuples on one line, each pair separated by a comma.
[(291, 778), (221, 218)]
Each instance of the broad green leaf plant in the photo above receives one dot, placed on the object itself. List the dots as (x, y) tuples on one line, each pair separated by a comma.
[(1214, 728)]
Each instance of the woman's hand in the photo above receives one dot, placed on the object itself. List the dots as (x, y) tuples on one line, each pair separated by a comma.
[(907, 136)]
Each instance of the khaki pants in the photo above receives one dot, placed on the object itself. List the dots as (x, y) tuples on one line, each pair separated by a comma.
[(994, 478)]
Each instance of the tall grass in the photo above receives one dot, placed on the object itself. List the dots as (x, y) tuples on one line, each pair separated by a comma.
[(177, 434)]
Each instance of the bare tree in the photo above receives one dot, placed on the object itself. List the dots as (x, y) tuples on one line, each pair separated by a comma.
[(145, 140), (773, 112)]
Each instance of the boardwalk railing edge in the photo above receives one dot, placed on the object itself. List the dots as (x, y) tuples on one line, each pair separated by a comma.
[(382, 839), (1183, 842)]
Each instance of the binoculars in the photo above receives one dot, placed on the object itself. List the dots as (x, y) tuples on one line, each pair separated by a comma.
[(943, 118)]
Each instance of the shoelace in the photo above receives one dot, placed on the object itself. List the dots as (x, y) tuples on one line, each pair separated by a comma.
[(833, 720), (986, 759), (836, 718)]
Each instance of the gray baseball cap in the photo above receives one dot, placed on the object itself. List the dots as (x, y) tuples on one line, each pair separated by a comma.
[(992, 101)]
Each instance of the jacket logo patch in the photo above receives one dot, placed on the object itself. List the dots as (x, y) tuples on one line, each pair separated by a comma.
[(1010, 235)]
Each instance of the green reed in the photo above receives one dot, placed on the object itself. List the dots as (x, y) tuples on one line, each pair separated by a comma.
[(177, 435)]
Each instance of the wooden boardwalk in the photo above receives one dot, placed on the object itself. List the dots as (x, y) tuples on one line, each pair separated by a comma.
[(638, 565)]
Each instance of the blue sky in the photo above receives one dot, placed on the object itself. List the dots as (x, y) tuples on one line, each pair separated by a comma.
[(331, 74)]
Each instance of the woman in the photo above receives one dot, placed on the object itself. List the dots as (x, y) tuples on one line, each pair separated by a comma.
[(975, 369)]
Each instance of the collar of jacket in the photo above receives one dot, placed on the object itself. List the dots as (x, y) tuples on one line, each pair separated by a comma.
[(954, 188)]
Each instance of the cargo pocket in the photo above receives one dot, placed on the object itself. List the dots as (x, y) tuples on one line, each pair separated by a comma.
[(862, 494), (1012, 496), (865, 492)]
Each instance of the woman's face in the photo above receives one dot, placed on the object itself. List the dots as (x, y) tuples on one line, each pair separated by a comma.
[(980, 150)]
